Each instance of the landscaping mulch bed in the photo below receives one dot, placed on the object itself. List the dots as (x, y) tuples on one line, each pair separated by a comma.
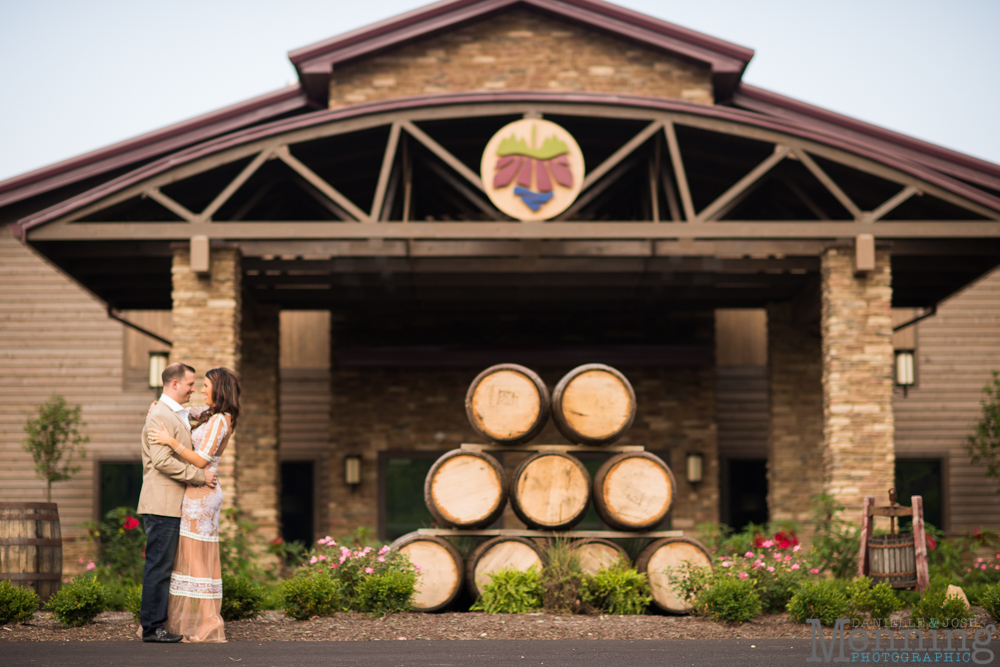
[(274, 626)]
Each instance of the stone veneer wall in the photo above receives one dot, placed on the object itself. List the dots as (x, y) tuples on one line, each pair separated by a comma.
[(795, 428), (858, 456), (206, 329), (378, 409), (520, 50), (258, 480)]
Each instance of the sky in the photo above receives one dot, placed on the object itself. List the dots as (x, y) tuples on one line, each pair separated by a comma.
[(77, 76)]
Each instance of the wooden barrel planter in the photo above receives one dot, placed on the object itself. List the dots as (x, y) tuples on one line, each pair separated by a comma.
[(466, 489), (893, 558), (507, 403), (550, 491), (31, 546), (597, 554), (664, 557), (634, 491), (593, 405), (442, 571), (500, 553)]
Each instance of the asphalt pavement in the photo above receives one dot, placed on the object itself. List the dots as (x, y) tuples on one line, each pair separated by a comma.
[(498, 653)]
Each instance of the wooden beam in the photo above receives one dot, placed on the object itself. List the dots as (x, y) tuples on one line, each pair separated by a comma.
[(407, 180), (255, 198), (383, 177), (390, 195), (829, 183), (807, 200), (731, 230), (322, 199), (442, 153), (314, 179), (678, 164), (710, 211), (668, 188), (595, 191), (476, 200), (235, 184), (621, 154), (654, 177), (892, 203), (171, 205)]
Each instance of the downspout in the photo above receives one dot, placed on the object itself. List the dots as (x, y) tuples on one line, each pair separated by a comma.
[(131, 325)]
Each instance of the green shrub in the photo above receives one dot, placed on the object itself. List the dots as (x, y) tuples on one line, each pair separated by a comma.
[(120, 539), (825, 600), (511, 592), (836, 541), (563, 580), (990, 601), (618, 590), (935, 610), (133, 601), (17, 604), (872, 603), (386, 593), (312, 594), (241, 598), (731, 600), (78, 602)]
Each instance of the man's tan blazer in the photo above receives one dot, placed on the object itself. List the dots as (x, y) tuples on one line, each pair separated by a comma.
[(164, 474)]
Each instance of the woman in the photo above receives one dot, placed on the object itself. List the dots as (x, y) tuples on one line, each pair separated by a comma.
[(195, 605)]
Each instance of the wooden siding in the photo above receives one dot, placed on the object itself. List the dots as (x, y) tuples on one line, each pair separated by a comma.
[(741, 411), (956, 350), (56, 338)]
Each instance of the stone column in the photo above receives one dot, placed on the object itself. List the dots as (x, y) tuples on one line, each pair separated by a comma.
[(795, 418), (258, 480), (858, 429), (206, 328)]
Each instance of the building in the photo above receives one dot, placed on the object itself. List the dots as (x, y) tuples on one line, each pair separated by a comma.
[(741, 256)]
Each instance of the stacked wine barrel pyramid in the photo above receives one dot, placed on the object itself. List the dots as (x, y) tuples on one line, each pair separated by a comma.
[(467, 489)]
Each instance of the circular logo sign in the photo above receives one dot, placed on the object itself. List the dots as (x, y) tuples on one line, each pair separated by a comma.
[(532, 169)]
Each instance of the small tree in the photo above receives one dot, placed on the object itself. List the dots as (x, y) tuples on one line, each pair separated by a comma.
[(984, 443), (53, 433)]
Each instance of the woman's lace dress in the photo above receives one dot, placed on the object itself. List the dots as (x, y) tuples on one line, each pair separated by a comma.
[(195, 605)]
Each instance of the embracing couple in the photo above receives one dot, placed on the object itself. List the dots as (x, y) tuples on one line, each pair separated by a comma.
[(180, 504)]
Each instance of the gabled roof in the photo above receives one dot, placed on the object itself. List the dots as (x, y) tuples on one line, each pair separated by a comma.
[(315, 63)]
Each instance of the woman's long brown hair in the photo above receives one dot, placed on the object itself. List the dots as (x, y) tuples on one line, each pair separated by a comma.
[(225, 393)]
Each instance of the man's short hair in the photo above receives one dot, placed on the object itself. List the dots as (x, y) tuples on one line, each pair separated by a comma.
[(175, 371)]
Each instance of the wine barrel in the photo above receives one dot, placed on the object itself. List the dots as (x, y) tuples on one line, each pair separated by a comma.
[(441, 574), (893, 558), (634, 491), (31, 546), (507, 403), (593, 405), (500, 553), (550, 491), (597, 554), (466, 489), (664, 557)]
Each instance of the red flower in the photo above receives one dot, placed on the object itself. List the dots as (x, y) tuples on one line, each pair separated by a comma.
[(131, 523), (758, 541), (277, 540), (931, 544), (786, 540)]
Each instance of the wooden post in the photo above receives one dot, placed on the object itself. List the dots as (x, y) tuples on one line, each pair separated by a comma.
[(867, 523), (920, 543)]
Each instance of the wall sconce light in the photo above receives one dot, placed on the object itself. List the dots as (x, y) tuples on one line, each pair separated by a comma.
[(904, 370), (352, 470), (157, 363), (695, 466)]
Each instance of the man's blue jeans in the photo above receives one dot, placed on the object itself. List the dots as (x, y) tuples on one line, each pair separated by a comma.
[(162, 533)]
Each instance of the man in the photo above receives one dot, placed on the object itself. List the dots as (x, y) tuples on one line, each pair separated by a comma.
[(164, 478)]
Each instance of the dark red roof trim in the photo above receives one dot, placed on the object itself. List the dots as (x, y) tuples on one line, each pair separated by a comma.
[(153, 144), (841, 141), (315, 62), (931, 155)]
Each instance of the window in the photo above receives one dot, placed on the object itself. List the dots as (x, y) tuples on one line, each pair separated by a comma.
[(120, 484), (402, 508), (747, 492), (921, 477)]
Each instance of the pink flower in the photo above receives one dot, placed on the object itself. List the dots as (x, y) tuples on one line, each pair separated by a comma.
[(767, 544), (982, 566), (381, 559), (743, 575), (369, 570), (979, 560), (725, 563), (345, 550), (996, 567), (417, 567), (81, 561), (814, 570), (313, 560), (367, 551), (788, 558), (748, 554), (797, 547), (342, 559), (794, 567), (91, 566), (384, 550), (770, 569), (322, 558), (729, 574)]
